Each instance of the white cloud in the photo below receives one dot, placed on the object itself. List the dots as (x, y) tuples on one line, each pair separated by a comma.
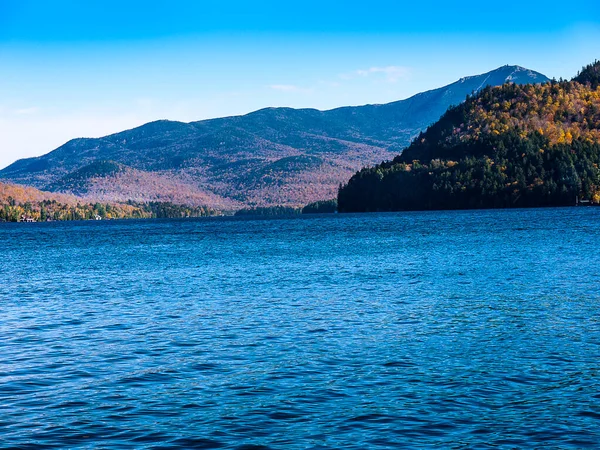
[(392, 74), (27, 111)]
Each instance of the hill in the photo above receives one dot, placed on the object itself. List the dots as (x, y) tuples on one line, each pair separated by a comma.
[(508, 146), (274, 156), (21, 203)]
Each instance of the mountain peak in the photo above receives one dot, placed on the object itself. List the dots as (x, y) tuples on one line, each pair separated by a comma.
[(273, 156), (512, 70), (504, 74)]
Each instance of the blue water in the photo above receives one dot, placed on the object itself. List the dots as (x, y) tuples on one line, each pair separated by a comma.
[(439, 329)]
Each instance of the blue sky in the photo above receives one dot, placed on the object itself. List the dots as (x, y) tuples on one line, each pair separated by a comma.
[(88, 68)]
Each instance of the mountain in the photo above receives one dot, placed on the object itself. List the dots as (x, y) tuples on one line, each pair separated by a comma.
[(507, 146), (274, 156)]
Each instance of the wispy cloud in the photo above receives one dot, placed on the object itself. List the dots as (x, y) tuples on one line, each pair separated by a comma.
[(392, 74), (289, 88), (27, 111)]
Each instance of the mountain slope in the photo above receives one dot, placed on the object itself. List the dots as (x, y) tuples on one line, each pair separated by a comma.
[(508, 146), (272, 156)]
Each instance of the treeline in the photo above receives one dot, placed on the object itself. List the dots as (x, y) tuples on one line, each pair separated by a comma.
[(26, 204), (321, 207), (268, 211), (589, 75), (510, 146), (51, 210), (168, 210)]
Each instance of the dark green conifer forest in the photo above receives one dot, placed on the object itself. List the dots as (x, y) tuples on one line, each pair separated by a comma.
[(507, 146)]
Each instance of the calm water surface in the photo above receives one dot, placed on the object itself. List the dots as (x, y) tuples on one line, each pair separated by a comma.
[(441, 329)]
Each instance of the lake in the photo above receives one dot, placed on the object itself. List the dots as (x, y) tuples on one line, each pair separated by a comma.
[(450, 329)]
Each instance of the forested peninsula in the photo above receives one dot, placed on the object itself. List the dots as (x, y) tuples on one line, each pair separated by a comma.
[(26, 204), (508, 146)]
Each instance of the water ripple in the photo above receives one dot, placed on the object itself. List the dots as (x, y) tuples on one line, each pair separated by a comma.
[(473, 329)]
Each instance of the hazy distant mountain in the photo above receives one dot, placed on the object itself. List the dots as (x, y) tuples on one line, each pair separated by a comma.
[(272, 156)]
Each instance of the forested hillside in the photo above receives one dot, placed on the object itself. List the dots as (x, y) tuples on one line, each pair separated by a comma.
[(508, 146), (19, 204), (274, 156)]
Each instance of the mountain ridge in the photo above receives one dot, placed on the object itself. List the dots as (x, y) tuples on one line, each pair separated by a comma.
[(231, 162), (506, 146)]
